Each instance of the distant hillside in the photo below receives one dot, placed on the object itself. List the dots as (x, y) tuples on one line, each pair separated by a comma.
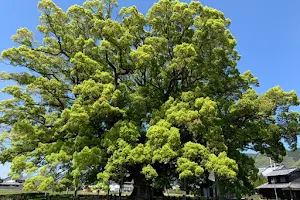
[(292, 159)]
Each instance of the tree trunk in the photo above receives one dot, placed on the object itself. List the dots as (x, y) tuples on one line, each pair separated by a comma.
[(184, 192), (76, 192), (147, 192), (108, 190), (143, 189), (217, 186), (120, 189)]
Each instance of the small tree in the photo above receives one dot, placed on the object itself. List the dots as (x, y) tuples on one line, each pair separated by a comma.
[(260, 180), (159, 95)]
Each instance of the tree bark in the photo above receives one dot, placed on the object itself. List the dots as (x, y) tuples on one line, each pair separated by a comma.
[(108, 190), (76, 192), (120, 189), (184, 194), (143, 189), (217, 185)]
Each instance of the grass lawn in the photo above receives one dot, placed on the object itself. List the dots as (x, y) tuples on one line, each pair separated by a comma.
[(11, 191), (16, 191)]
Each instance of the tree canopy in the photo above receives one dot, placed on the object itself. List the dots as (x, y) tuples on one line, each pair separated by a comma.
[(156, 98)]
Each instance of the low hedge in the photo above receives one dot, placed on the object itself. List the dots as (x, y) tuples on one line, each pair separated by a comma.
[(23, 196)]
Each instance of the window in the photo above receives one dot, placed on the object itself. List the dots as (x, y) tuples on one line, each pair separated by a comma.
[(282, 179)]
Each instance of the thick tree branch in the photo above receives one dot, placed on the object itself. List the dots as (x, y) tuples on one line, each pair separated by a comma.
[(57, 36), (114, 70)]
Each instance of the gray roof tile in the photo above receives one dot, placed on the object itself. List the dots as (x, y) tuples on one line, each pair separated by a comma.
[(281, 172), (294, 184), (277, 185)]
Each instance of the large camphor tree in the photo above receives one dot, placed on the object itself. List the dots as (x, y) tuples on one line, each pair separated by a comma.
[(157, 99)]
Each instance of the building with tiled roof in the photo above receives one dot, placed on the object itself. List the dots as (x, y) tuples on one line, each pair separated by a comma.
[(283, 183)]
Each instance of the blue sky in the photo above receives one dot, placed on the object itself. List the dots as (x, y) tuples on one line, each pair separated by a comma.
[(268, 35)]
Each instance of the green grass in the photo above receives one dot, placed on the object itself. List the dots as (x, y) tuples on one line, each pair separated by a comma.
[(16, 191), (11, 191)]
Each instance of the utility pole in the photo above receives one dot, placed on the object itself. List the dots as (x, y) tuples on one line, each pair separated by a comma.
[(275, 191)]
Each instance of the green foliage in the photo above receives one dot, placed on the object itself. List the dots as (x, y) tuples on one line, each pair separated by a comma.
[(260, 180), (155, 98), (149, 172)]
